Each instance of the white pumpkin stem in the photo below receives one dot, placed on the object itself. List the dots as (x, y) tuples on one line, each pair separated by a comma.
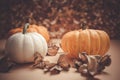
[(25, 28)]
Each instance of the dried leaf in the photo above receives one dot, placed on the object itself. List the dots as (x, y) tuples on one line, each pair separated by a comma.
[(37, 58), (5, 63), (100, 68), (40, 65), (5, 68), (46, 62), (52, 50), (50, 65), (82, 68), (83, 57), (63, 63), (3, 59), (54, 71), (77, 64), (105, 60), (62, 58), (65, 66), (95, 63)]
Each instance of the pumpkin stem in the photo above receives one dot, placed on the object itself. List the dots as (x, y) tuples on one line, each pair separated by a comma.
[(25, 28), (83, 25)]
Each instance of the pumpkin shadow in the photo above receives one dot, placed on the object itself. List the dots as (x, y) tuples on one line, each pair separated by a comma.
[(21, 66), (89, 77), (103, 73)]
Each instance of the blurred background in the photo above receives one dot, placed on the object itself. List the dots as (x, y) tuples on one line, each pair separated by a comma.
[(60, 16)]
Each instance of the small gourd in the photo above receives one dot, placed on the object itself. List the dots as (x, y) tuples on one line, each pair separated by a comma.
[(32, 28), (22, 46)]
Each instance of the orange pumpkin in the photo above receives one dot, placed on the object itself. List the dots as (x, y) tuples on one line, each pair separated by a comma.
[(93, 42), (32, 28)]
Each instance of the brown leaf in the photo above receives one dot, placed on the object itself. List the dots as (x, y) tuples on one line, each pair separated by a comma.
[(46, 62), (52, 50), (105, 60), (63, 63), (65, 66), (82, 68), (7, 66), (5, 63), (37, 58), (50, 65), (54, 71), (3, 58), (82, 57), (77, 63), (62, 58), (41, 65)]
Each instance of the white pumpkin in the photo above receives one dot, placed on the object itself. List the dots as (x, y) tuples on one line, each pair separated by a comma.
[(22, 46)]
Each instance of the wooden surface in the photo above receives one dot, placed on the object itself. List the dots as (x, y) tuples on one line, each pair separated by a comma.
[(24, 72)]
